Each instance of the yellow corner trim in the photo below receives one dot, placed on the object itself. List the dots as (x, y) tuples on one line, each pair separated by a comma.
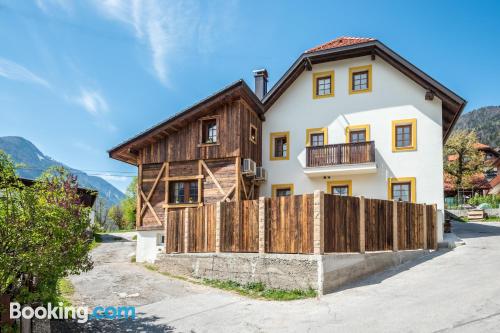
[(339, 183), (274, 135), (350, 128), (352, 71), (310, 131), (332, 84), (276, 187), (411, 180), (413, 145)]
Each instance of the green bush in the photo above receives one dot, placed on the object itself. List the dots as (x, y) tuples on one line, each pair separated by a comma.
[(492, 199)]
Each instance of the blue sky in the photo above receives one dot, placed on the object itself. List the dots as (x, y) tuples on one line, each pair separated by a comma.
[(79, 77)]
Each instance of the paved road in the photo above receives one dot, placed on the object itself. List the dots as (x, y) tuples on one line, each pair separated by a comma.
[(455, 290)]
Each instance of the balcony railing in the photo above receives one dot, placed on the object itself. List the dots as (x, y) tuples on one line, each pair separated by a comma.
[(337, 154)]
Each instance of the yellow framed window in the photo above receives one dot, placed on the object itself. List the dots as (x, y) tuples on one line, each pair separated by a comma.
[(360, 79), (404, 135), (279, 146), (402, 189), (339, 187), (323, 84), (282, 190), (316, 137), (357, 133)]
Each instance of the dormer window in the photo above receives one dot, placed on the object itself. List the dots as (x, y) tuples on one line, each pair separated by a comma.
[(209, 128), (323, 84), (360, 79)]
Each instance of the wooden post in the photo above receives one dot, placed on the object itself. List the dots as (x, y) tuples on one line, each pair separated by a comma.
[(186, 230), (237, 190), (262, 225), (362, 235), (425, 226), (217, 226), (436, 229), (139, 198), (165, 219), (200, 182), (319, 222), (394, 225)]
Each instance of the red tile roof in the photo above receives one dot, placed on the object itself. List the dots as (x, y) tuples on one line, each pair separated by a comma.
[(339, 42)]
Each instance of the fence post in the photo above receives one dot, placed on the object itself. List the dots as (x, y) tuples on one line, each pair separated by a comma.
[(217, 226), (425, 226), (436, 229), (262, 225), (319, 222), (394, 225), (186, 230), (362, 235)]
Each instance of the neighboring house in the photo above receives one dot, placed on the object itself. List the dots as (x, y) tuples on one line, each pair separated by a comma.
[(350, 117), (482, 183), (87, 196)]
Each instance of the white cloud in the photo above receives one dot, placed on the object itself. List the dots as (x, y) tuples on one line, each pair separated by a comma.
[(46, 5), (167, 28), (92, 101), (14, 71)]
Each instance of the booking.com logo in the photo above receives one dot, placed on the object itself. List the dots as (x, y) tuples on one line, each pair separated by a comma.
[(80, 313)]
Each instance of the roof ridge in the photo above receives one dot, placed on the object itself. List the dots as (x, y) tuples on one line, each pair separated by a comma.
[(340, 42)]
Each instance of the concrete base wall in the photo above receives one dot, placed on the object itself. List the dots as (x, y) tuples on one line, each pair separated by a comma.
[(344, 268), (284, 271), (147, 247), (324, 273)]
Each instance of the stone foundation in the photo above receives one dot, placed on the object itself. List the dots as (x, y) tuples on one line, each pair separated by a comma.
[(323, 273)]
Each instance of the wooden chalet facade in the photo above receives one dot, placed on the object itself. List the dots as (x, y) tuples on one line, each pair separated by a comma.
[(195, 157)]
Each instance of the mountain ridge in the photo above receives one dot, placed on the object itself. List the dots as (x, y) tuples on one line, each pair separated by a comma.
[(23, 151), (485, 121)]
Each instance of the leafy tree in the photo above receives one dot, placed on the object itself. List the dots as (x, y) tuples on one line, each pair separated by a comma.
[(44, 233), (115, 214), (462, 159), (129, 204)]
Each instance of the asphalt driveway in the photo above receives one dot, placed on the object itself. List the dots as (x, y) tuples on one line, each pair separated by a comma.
[(455, 290)]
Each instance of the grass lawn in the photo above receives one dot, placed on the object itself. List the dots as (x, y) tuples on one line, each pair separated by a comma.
[(252, 289), (66, 290), (488, 219)]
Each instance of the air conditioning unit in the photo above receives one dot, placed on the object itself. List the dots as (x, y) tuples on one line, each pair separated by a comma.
[(249, 167), (261, 174)]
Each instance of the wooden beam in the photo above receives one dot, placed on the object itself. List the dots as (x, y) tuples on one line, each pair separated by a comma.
[(139, 198), (244, 187), (394, 225), (213, 178), (150, 194), (151, 208), (362, 235), (238, 175), (177, 178), (229, 192), (425, 226), (200, 182)]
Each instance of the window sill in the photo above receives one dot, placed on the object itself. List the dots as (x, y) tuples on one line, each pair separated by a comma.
[(322, 96), (208, 144), (402, 149), (182, 205)]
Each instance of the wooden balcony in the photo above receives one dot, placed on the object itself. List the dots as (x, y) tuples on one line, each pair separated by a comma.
[(340, 154)]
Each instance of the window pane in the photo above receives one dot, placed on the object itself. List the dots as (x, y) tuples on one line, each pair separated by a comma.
[(280, 147), (401, 192), (193, 191), (357, 136), (317, 139), (283, 192), (340, 190), (360, 80), (323, 86), (403, 136), (209, 129)]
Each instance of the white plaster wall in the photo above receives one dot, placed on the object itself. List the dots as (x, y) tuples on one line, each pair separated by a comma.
[(394, 96), (146, 247)]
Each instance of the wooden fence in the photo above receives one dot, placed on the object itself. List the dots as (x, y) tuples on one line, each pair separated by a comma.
[(310, 223)]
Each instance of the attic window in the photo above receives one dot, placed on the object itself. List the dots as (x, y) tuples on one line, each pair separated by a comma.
[(323, 84), (209, 128), (253, 134), (360, 79)]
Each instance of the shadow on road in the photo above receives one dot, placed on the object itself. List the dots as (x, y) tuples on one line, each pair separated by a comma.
[(466, 230), (139, 324), (107, 238), (381, 276)]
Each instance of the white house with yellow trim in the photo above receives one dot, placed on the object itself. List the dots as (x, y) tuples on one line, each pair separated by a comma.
[(351, 117)]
